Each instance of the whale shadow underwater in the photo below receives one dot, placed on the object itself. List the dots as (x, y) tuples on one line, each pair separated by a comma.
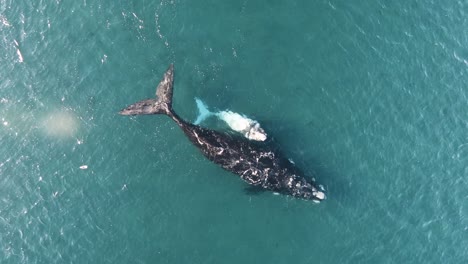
[(257, 163)]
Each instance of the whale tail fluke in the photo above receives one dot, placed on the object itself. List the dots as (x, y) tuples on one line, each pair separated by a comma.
[(161, 105), (203, 112)]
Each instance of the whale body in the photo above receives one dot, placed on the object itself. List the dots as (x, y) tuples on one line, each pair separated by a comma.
[(248, 127), (256, 163)]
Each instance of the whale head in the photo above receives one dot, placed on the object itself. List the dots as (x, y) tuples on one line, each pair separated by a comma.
[(309, 192), (299, 187), (256, 133)]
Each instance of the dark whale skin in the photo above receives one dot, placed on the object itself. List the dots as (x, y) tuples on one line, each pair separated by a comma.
[(257, 163)]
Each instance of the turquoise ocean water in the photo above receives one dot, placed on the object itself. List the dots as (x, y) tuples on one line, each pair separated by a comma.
[(371, 97)]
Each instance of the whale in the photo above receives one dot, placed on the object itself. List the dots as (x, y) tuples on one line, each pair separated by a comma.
[(259, 164), (249, 128)]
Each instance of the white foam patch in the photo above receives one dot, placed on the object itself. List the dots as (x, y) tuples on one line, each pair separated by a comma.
[(61, 123), (20, 56), (4, 21)]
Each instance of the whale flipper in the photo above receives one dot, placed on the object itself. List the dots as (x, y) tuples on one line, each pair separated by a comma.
[(203, 112), (161, 105)]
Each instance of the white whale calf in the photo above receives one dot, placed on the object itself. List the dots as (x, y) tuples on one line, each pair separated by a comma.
[(249, 128)]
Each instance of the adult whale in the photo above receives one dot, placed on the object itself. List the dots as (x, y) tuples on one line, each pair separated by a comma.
[(255, 162)]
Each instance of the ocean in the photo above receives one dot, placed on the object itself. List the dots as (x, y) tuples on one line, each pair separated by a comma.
[(368, 97)]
